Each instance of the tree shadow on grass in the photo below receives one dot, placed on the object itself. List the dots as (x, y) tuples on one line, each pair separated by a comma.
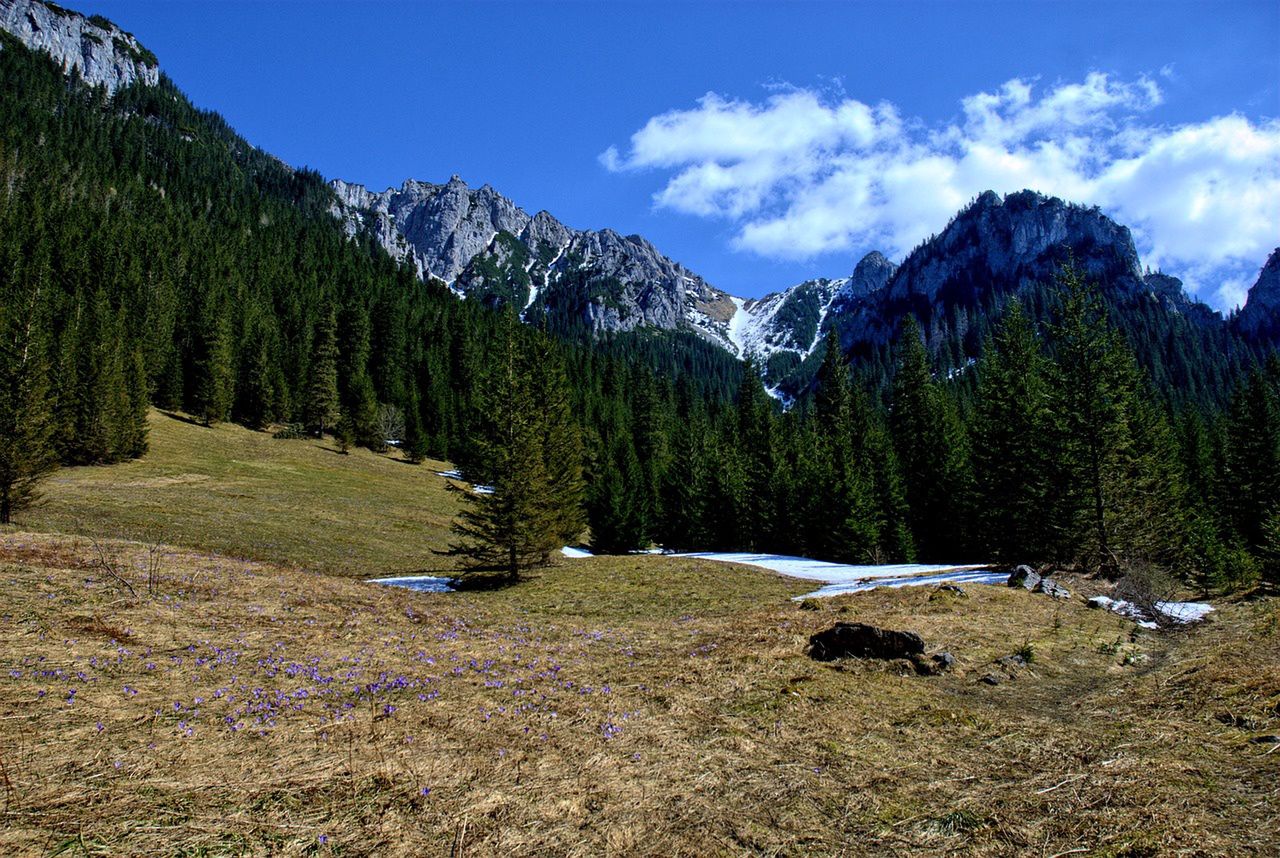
[(184, 418)]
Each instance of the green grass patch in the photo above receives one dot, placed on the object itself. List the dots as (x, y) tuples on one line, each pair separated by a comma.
[(243, 493)]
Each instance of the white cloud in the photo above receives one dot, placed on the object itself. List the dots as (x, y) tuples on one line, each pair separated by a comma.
[(801, 173)]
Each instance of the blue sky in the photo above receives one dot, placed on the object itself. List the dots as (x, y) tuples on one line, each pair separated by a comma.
[(764, 143)]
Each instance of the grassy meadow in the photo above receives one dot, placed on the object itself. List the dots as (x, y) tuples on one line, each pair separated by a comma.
[(249, 702), (230, 490)]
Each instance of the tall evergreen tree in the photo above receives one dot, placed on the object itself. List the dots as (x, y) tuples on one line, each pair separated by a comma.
[(214, 370), (522, 520), (846, 526), (1118, 474), (1253, 456), (27, 453), (322, 408), (1013, 444), (933, 451)]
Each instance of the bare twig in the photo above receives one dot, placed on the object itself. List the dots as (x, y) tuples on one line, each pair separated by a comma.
[(1059, 785), (106, 566)]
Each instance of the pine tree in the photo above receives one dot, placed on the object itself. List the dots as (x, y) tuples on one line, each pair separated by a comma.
[(1013, 444), (933, 451), (1118, 475), (845, 523), (686, 484), (214, 370), (322, 406), (755, 509), (522, 520), (27, 454), (258, 391), (873, 446), (1253, 457)]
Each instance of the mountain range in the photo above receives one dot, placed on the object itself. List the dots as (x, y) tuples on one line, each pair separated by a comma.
[(484, 247)]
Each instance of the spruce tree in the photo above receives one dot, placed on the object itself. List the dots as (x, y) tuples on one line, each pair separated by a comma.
[(933, 451), (846, 526), (1117, 476), (27, 453), (1013, 443), (214, 369), (873, 446), (520, 521), (755, 507), (1253, 457), (322, 406)]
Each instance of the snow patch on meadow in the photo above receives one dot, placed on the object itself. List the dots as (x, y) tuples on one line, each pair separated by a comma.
[(842, 578), (421, 583), (1177, 612)]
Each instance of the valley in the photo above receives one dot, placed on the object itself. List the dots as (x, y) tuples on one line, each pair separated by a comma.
[(338, 521)]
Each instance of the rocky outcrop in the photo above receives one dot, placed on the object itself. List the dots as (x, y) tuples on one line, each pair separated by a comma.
[(1259, 319), (439, 228), (485, 246), (102, 53)]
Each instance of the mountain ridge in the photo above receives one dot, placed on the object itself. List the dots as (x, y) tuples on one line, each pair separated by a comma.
[(484, 246)]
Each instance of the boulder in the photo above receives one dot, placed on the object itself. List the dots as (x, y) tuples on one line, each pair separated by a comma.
[(859, 640), (990, 679), (1099, 602), (1024, 577)]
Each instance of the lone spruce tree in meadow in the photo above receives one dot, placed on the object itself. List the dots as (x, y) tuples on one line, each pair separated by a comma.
[(531, 456)]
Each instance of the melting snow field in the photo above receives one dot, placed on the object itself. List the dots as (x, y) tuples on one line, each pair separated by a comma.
[(846, 578)]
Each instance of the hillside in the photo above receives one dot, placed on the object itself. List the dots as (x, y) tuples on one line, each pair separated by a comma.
[(245, 494)]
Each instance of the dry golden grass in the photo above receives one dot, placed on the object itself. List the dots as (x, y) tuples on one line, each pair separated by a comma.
[(243, 493), (640, 705)]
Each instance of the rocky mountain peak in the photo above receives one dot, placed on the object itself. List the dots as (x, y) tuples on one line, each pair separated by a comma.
[(1260, 316), (1005, 243), (870, 275), (102, 53)]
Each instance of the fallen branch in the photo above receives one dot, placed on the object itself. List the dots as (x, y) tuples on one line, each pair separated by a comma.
[(1057, 786)]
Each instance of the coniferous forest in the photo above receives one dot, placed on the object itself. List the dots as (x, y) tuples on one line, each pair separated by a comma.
[(151, 257)]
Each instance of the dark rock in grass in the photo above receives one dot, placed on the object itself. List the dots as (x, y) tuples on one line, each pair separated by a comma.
[(1050, 587), (990, 679), (858, 640), (1265, 740), (1012, 662), (810, 605), (939, 662), (950, 590), (1024, 577)]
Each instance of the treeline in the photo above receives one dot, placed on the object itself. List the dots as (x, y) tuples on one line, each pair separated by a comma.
[(1053, 447), (148, 255)]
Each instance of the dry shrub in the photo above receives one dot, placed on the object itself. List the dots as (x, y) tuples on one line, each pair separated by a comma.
[(1146, 585)]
